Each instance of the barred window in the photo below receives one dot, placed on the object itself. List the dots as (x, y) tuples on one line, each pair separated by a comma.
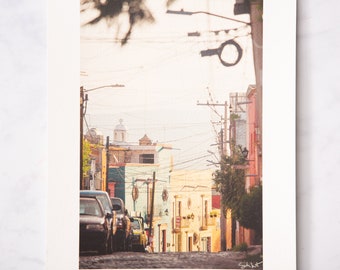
[(146, 158)]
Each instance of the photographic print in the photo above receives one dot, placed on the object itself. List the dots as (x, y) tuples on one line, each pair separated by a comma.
[(171, 134), (181, 153)]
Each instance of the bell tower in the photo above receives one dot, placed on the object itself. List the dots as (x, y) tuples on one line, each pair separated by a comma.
[(119, 133)]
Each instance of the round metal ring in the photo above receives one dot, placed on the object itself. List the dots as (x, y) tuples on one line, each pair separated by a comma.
[(238, 48)]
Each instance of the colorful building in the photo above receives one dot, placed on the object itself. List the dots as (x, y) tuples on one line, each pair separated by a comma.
[(140, 176), (195, 227), (176, 204), (245, 132), (254, 141), (93, 179)]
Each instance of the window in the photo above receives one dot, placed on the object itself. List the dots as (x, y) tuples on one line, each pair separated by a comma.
[(146, 158), (90, 207), (206, 212), (135, 225)]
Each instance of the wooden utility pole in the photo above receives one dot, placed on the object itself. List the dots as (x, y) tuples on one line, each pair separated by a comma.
[(107, 164), (223, 152), (152, 206), (223, 220), (81, 116), (225, 128)]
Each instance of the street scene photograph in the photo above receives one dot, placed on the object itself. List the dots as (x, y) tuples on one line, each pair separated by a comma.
[(170, 172)]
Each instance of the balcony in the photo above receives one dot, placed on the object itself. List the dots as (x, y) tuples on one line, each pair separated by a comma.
[(212, 221), (185, 222), (208, 221), (181, 223)]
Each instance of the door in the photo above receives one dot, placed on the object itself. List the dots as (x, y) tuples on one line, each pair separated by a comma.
[(209, 244), (179, 242), (163, 240), (190, 243)]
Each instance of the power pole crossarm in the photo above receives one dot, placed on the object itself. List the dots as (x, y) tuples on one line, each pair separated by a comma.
[(212, 104)]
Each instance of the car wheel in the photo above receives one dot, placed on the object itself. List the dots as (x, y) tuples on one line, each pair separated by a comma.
[(114, 243), (110, 245), (128, 244), (120, 241), (104, 248)]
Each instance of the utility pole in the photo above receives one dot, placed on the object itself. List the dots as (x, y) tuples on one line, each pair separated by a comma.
[(223, 220), (83, 99), (225, 127), (81, 136), (152, 206), (107, 164), (223, 152)]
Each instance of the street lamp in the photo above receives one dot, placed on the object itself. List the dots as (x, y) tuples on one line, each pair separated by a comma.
[(244, 151), (182, 12), (84, 99), (104, 86)]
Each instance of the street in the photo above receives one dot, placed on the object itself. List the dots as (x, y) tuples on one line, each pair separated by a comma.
[(189, 260)]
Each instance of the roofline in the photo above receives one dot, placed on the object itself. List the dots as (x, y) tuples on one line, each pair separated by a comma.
[(251, 89)]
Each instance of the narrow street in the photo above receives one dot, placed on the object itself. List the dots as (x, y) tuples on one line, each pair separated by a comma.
[(188, 260)]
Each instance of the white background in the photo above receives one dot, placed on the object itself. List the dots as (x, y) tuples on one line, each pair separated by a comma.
[(25, 102)]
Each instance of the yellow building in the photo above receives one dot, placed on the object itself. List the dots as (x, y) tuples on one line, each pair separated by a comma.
[(195, 227)]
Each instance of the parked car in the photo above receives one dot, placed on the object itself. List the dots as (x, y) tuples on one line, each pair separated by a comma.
[(104, 198), (122, 238), (95, 230), (139, 237)]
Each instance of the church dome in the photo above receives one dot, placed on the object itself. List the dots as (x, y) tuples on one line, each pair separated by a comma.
[(120, 126), (119, 133)]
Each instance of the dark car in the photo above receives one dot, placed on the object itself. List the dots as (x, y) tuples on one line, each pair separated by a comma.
[(95, 229), (104, 198), (122, 238)]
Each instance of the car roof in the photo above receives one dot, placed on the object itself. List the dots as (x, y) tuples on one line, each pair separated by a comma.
[(101, 193), (117, 199), (94, 192), (89, 198), (93, 198)]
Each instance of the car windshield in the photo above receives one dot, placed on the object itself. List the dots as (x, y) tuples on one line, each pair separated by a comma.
[(90, 207), (116, 207), (105, 202), (135, 225)]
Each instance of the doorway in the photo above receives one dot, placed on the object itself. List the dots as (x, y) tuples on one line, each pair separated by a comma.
[(163, 240), (190, 243)]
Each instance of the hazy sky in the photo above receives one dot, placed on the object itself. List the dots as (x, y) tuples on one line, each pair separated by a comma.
[(164, 76)]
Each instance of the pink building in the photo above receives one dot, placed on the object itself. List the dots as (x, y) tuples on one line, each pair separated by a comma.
[(254, 146), (254, 140)]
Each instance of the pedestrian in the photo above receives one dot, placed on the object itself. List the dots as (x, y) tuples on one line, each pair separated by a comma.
[(148, 248)]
